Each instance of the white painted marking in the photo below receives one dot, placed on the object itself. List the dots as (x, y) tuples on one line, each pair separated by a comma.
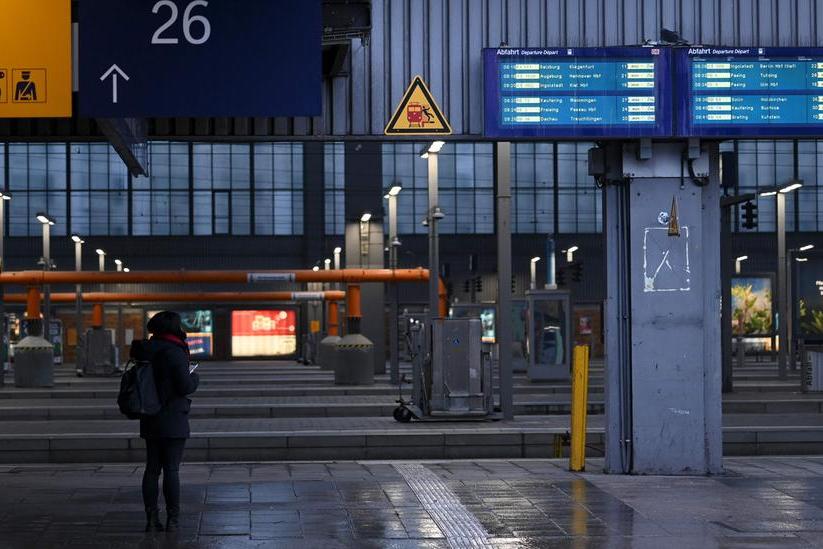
[(458, 524), (666, 251)]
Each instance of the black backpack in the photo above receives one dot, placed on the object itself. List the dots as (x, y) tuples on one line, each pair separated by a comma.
[(138, 395)]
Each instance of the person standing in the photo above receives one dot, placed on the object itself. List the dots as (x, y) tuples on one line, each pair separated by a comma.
[(166, 433)]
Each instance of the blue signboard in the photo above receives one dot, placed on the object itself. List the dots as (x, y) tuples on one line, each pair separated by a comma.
[(199, 58), (577, 92), (749, 92)]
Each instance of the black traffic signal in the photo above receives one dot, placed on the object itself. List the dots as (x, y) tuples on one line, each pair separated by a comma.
[(560, 276), (467, 286), (749, 215), (514, 285), (478, 284), (577, 271)]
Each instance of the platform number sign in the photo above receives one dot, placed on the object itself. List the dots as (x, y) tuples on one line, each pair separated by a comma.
[(200, 58), (189, 20)]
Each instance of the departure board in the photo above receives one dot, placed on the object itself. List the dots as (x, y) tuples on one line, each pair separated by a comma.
[(749, 92), (577, 92)]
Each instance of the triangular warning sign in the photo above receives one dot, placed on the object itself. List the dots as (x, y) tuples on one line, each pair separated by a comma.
[(418, 113)]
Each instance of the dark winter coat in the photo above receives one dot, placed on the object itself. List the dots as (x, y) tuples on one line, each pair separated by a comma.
[(171, 375)]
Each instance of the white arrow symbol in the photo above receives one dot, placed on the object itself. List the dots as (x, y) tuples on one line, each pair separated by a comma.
[(113, 71)]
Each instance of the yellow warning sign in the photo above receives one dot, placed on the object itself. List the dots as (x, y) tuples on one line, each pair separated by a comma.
[(418, 113), (35, 58)]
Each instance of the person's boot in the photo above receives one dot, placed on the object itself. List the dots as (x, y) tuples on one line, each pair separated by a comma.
[(153, 523), (172, 519)]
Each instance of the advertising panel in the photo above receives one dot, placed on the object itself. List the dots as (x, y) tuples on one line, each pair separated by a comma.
[(199, 327), (752, 308), (808, 291), (577, 92), (271, 333)]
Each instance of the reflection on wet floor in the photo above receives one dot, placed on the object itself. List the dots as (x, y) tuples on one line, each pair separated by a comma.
[(506, 504)]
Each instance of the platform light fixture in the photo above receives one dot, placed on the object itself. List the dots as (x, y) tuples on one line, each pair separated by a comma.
[(801, 259), (365, 218), (315, 268), (570, 253), (793, 186), (5, 195), (77, 239), (434, 148), (45, 219), (100, 252), (764, 194), (738, 263), (126, 270), (806, 248), (394, 191)]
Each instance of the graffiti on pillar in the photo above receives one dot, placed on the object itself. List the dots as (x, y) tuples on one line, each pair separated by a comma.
[(666, 261)]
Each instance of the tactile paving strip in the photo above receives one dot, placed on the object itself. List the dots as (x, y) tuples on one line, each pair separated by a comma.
[(458, 524)]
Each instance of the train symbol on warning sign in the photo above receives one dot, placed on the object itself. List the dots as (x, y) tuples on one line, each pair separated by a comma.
[(418, 113)]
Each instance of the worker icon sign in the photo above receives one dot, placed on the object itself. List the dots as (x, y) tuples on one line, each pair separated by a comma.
[(4, 95), (28, 86)]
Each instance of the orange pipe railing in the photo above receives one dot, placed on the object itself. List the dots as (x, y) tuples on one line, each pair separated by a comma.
[(353, 301), (186, 297), (39, 278), (32, 301), (97, 315), (333, 322)]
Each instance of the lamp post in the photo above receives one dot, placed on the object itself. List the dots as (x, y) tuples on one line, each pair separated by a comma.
[(434, 215), (46, 223), (121, 329), (394, 244), (782, 298), (78, 289), (4, 348), (790, 299), (738, 263), (533, 273)]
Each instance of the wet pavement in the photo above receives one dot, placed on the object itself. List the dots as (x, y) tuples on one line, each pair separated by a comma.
[(760, 502)]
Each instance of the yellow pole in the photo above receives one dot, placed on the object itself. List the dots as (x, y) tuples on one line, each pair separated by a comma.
[(580, 394)]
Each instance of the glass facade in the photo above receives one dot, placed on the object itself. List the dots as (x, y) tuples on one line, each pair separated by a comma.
[(193, 189), (38, 181), (334, 184), (258, 189), (466, 178)]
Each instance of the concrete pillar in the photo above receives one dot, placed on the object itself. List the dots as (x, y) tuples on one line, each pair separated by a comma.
[(372, 324), (663, 380), (364, 193)]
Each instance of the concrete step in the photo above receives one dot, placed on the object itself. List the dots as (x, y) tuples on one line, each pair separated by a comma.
[(380, 405), (270, 390), (367, 438)]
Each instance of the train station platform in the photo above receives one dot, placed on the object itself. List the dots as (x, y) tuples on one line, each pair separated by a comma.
[(288, 411), (758, 502)]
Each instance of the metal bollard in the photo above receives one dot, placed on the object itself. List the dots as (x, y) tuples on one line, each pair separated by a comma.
[(580, 396)]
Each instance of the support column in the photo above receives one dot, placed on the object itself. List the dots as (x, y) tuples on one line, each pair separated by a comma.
[(503, 330), (364, 193), (782, 297), (663, 371)]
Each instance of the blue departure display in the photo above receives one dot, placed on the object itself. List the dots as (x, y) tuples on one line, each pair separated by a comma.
[(577, 92), (756, 92)]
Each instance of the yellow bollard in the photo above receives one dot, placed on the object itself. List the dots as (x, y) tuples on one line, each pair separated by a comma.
[(580, 396)]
